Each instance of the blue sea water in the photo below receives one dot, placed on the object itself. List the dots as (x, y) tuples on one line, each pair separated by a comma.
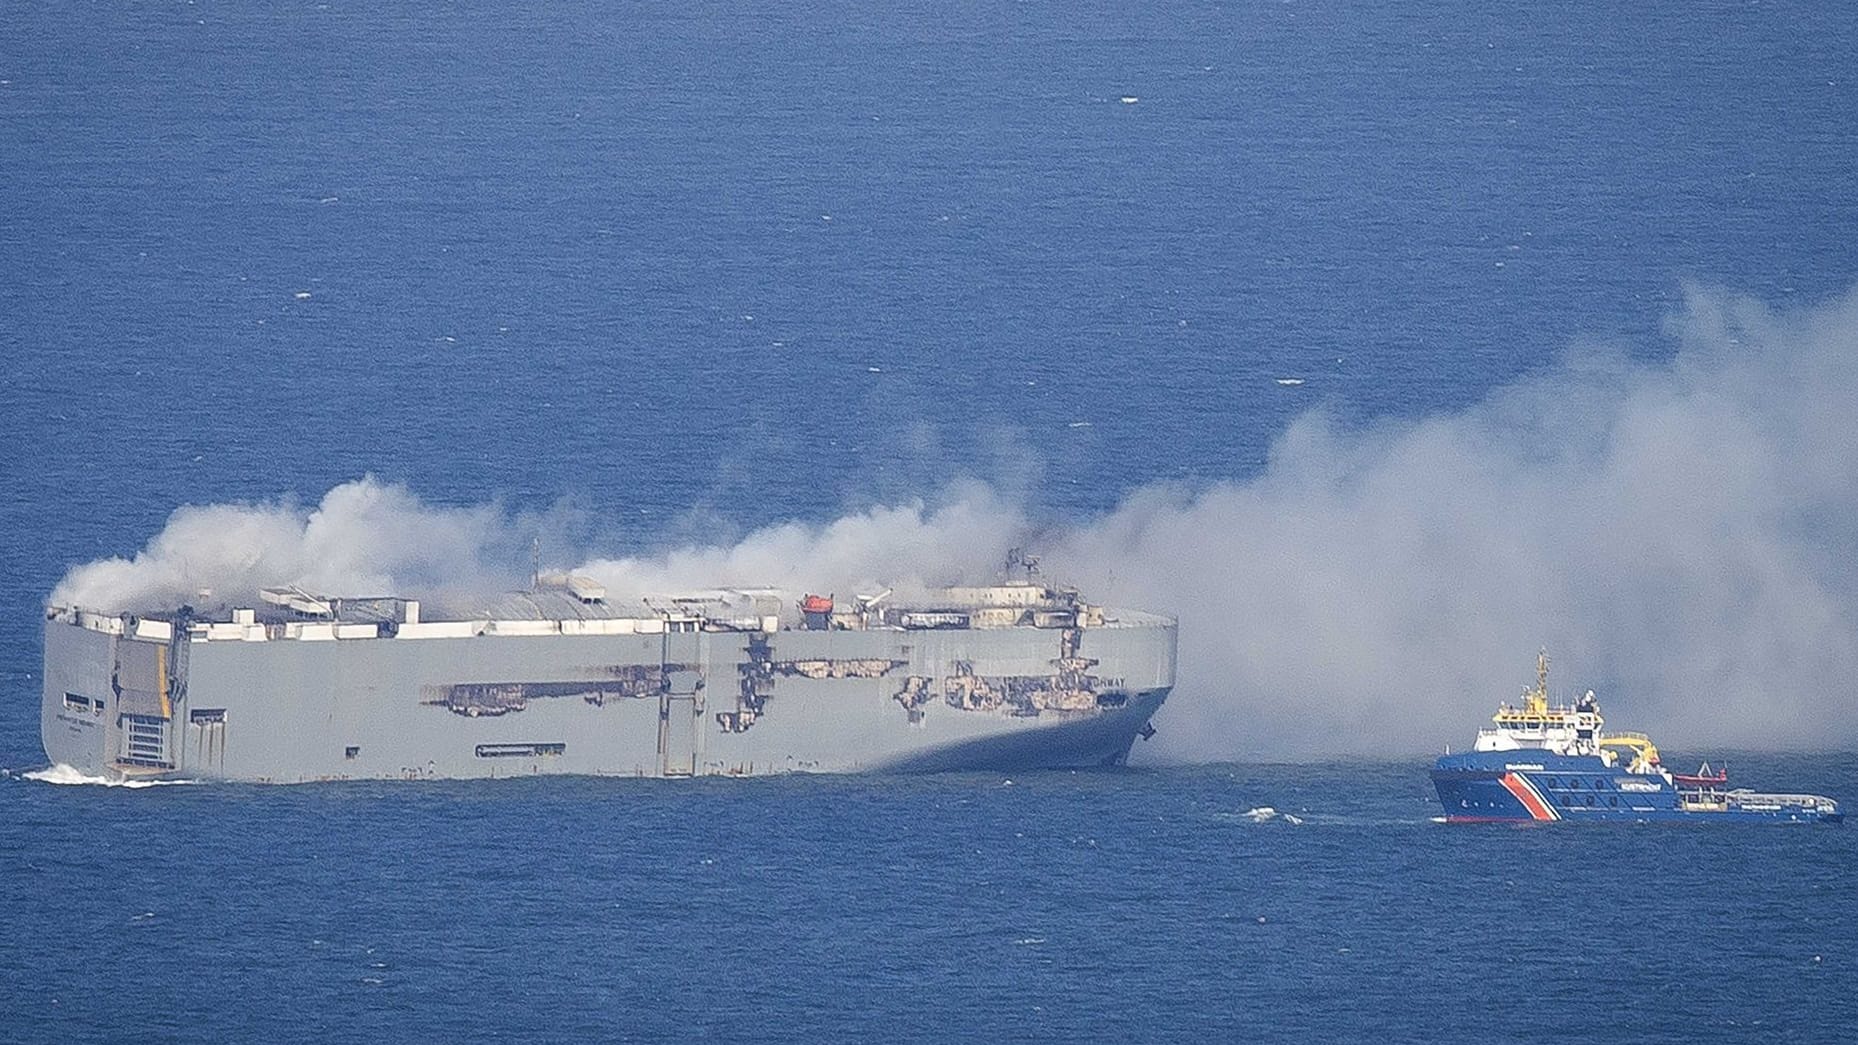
[(704, 268), (1134, 905)]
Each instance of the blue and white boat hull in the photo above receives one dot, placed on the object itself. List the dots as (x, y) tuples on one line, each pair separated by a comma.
[(1539, 785)]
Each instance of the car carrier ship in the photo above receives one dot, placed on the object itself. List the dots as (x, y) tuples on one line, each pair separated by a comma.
[(1542, 763), (560, 679)]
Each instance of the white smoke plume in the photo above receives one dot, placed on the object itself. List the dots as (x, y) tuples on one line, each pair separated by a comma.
[(910, 546), (364, 538), (368, 537), (1681, 537)]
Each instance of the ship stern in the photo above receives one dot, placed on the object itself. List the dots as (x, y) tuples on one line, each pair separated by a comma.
[(74, 712)]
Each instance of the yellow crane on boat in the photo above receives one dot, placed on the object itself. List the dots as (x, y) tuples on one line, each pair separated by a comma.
[(1644, 753)]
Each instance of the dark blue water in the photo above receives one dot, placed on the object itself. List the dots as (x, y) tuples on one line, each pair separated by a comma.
[(646, 259), (1139, 905)]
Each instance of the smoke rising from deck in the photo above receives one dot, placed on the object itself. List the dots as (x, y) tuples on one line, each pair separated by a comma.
[(1681, 536), (363, 538), (963, 537)]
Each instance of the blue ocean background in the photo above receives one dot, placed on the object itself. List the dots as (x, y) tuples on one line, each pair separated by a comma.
[(698, 269)]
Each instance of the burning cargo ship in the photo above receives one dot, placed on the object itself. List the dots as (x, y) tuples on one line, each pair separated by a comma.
[(559, 679)]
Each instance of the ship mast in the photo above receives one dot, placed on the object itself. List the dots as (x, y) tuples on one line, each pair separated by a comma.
[(1536, 700)]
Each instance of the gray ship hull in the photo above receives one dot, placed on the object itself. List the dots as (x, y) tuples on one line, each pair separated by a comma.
[(120, 701)]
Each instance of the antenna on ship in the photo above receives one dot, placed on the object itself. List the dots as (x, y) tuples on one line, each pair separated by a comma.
[(1017, 558), (535, 564), (1535, 701)]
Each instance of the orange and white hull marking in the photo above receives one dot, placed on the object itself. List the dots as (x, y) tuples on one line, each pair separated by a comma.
[(1532, 800)]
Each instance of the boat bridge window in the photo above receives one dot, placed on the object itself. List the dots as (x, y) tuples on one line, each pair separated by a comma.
[(353, 751), (207, 716), (77, 702)]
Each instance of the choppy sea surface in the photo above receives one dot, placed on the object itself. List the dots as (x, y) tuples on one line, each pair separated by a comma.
[(700, 269)]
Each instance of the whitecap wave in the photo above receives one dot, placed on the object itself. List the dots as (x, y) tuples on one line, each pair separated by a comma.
[(70, 775)]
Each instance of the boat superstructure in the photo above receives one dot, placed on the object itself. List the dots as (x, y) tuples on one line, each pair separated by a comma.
[(1544, 762), (561, 679)]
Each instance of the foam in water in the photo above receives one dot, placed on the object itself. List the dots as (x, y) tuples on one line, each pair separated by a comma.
[(68, 775)]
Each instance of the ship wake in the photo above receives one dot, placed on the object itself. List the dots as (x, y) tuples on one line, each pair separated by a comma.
[(69, 776)]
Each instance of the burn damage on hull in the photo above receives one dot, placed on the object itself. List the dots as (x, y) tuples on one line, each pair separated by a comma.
[(1078, 742), (617, 682), (868, 668), (1069, 687)]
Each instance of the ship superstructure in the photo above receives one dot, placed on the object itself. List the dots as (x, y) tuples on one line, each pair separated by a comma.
[(1546, 762), (561, 679)]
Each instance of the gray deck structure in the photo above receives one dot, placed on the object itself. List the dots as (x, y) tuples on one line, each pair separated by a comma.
[(558, 680)]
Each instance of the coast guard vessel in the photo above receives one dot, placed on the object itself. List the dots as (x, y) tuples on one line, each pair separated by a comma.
[(1542, 762), (561, 679)]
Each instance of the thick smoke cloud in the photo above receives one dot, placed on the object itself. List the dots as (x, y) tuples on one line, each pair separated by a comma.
[(908, 547), (1680, 536), (364, 538), (368, 537)]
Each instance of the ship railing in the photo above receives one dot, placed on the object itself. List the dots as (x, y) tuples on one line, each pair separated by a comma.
[(1744, 796)]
